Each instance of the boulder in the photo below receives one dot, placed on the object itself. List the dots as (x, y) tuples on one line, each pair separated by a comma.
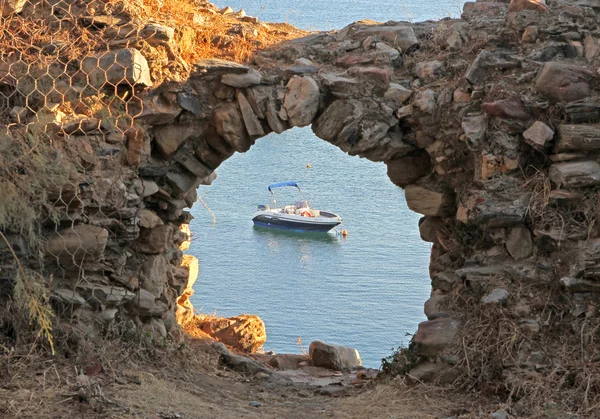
[(168, 138), (145, 304), (287, 361), (398, 36), (242, 80), (433, 306), (520, 5), (301, 101), (519, 243), (496, 296), (429, 71), (434, 335), (98, 295), (230, 125), (246, 333), (511, 108), (182, 183), (407, 169), (189, 102), (125, 66), (339, 122), (397, 95), (427, 202), (153, 274), (10, 7), (155, 240), (149, 219), (575, 174), (425, 101), (562, 82), (156, 34), (67, 296), (428, 228), (487, 62), (475, 128), (251, 121), (578, 137), (538, 135), (335, 357), (79, 243), (433, 372)]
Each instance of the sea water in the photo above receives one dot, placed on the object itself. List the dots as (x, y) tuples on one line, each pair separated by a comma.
[(365, 290)]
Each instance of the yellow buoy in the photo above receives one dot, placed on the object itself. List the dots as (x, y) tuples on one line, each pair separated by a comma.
[(345, 233), (308, 166)]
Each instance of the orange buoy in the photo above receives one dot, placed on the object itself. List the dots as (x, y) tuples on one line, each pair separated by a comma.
[(345, 233), (308, 166)]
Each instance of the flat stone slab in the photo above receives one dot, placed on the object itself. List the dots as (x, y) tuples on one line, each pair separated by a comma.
[(213, 65)]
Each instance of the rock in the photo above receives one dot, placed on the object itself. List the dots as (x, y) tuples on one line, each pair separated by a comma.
[(500, 414), (425, 100), (429, 71), (507, 108), (339, 122), (125, 66), (430, 372), (155, 240), (580, 137), (444, 281), (287, 361), (352, 60), (246, 333), (153, 274), (384, 48), (538, 135), (181, 184), (80, 125), (230, 125), (428, 228), (405, 112), (433, 336), (519, 243), (156, 34), (10, 7), (455, 41), (530, 34), (487, 62), (251, 121), (461, 97), (563, 82), (576, 285), (427, 202), (381, 75), (189, 102), (407, 169), (398, 36), (102, 295), (592, 47), (67, 296), (301, 101), (75, 245), (397, 95), (334, 357), (575, 174), (475, 128), (158, 111), (242, 364), (277, 124), (520, 5), (254, 404), (149, 219), (496, 296), (242, 80), (144, 304), (433, 306)]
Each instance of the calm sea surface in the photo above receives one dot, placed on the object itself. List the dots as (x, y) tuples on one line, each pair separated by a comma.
[(335, 14), (366, 290)]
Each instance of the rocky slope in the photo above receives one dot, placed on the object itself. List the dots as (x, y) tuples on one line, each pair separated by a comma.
[(489, 122)]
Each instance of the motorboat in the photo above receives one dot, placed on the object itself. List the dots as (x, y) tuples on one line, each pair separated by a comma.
[(298, 216)]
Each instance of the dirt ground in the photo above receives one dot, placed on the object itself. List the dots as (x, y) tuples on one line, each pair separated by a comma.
[(187, 382)]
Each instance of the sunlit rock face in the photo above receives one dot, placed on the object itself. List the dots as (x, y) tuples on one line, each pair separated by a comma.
[(489, 122)]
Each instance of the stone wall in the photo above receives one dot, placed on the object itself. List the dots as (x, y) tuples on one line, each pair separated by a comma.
[(489, 123)]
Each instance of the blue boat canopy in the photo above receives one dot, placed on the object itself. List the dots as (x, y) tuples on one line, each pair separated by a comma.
[(283, 184)]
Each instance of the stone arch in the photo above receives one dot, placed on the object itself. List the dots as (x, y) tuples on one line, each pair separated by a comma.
[(467, 125)]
